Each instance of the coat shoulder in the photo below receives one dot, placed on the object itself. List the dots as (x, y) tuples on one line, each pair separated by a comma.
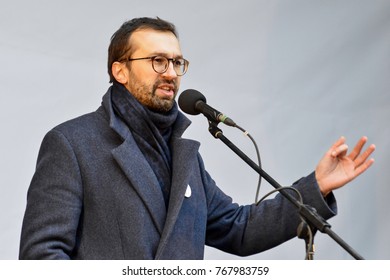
[(88, 131), (85, 124)]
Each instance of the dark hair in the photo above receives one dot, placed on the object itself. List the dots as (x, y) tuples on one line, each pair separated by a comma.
[(119, 45)]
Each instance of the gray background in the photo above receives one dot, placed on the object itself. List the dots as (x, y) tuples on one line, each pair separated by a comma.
[(296, 74)]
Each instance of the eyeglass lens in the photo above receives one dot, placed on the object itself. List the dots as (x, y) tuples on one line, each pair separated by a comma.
[(161, 64)]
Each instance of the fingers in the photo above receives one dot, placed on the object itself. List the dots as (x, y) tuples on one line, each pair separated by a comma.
[(337, 148), (340, 151), (339, 142), (358, 148), (363, 167), (359, 160)]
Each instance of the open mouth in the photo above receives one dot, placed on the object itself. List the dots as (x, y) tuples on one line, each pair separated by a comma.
[(166, 90)]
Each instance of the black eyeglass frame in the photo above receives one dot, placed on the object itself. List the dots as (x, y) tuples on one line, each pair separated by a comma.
[(186, 63)]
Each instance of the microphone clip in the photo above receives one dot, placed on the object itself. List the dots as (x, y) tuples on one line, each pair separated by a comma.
[(214, 129)]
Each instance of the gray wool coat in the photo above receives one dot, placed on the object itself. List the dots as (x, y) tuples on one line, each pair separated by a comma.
[(94, 196)]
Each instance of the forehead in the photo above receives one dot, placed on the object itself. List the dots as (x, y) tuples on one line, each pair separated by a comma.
[(148, 42)]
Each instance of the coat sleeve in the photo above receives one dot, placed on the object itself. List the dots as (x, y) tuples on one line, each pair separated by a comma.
[(251, 229), (54, 202)]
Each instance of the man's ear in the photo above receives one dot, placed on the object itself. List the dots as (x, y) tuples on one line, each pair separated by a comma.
[(120, 72)]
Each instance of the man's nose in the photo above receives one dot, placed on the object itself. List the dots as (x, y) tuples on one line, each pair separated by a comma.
[(170, 73)]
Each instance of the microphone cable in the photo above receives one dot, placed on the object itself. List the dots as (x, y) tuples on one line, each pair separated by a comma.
[(246, 133), (304, 231)]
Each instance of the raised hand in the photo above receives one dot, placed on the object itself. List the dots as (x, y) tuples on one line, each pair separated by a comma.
[(337, 168)]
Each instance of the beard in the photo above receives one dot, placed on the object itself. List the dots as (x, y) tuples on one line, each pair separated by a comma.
[(146, 94)]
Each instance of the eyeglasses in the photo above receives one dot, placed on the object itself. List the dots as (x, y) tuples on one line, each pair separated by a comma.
[(160, 64)]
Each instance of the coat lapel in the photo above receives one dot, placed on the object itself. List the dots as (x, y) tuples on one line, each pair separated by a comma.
[(142, 178), (136, 168), (184, 155)]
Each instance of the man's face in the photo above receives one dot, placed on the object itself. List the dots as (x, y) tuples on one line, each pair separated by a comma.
[(155, 91)]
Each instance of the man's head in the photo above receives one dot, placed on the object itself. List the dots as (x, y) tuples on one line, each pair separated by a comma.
[(145, 56)]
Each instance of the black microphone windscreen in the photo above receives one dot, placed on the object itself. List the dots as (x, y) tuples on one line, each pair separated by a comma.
[(188, 100)]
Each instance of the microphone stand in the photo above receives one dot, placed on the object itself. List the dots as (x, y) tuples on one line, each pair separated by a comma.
[(308, 213)]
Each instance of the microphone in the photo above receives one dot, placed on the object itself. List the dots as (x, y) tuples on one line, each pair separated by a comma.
[(193, 102)]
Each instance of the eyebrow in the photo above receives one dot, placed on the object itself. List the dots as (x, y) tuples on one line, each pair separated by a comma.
[(165, 55)]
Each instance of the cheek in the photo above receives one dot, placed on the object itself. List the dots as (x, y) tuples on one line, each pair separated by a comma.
[(143, 79), (178, 80), (149, 79)]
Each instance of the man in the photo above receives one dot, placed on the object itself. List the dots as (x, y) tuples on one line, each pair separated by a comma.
[(121, 183)]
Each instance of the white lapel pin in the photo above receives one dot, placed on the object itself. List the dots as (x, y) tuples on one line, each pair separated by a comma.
[(188, 191)]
